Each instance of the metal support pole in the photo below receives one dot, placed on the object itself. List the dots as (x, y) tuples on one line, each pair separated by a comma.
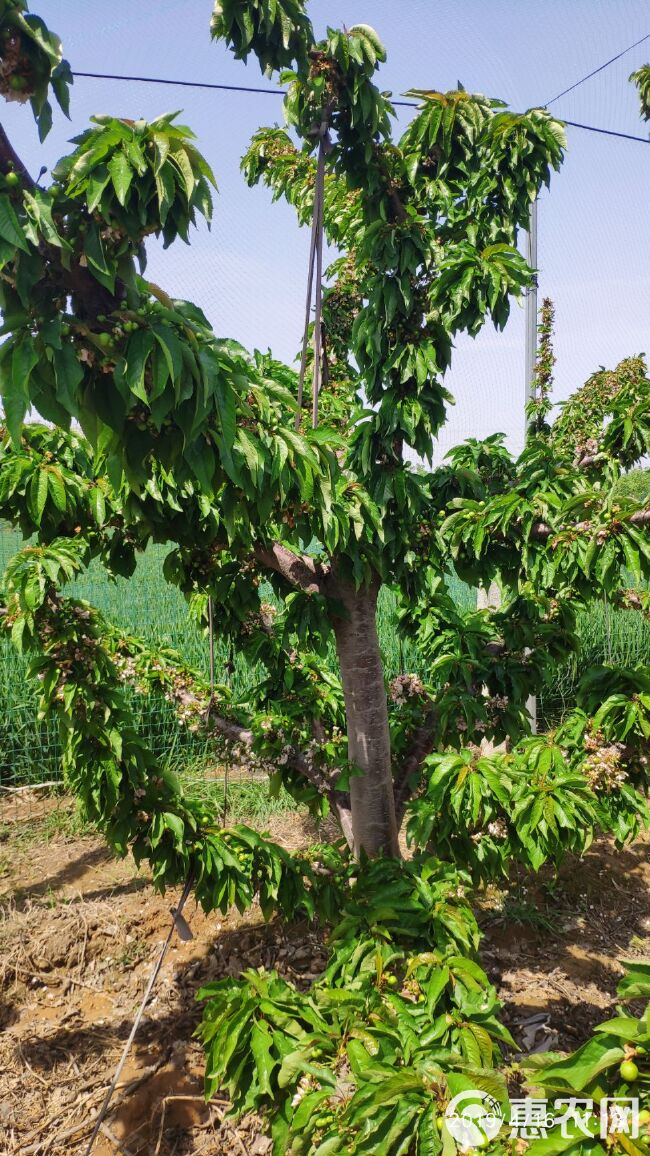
[(531, 305), (491, 599), (531, 361)]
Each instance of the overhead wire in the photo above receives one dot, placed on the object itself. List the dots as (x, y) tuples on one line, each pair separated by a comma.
[(606, 131), (595, 71), (397, 103), (180, 83)]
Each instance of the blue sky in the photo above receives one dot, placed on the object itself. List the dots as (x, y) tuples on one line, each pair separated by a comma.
[(249, 272)]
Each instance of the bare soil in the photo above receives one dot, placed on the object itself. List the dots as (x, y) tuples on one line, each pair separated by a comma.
[(80, 932)]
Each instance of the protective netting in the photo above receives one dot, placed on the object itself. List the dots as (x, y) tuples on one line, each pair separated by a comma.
[(249, 277)]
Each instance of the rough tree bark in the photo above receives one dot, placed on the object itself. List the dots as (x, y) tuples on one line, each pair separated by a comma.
[(374, 824)]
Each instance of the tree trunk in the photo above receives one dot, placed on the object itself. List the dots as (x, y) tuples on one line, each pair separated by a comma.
[(372, 799)]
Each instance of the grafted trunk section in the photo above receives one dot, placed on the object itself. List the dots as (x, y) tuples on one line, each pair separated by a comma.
[(374, 824)]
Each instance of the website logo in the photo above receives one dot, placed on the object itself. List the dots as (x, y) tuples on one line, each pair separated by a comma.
[(473, 1118)]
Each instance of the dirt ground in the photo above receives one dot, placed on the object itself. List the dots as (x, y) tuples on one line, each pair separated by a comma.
[(80, 931)]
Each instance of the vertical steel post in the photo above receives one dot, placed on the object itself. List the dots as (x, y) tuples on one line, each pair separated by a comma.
[(531, 305), (531, 360)]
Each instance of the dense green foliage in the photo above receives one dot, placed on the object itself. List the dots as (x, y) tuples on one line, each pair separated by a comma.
[(642, 80), (612, 1065), (398, 1021), (32, 63), (191, 441), (146, 605)]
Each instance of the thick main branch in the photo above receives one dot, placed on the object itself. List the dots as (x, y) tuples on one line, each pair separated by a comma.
[(541, 530), (338, 801), (362, 677), (299, 570), (90, 298), (11, 162), (423, 743)]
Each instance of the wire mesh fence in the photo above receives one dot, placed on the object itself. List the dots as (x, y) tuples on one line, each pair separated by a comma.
[(146, 605), (149, 607), (143, 604)]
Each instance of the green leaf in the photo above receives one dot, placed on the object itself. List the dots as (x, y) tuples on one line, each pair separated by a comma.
[(226, 403), (96, 257), (181, 160), (261, 1044), (636, 981), (579, 1069), (171, 349), (97, 182), (17, 632), (137, 354), (161, 143), (11, 229), (175, 824), (56, 487), (37, 495), (121, 175), (166, 188), (250, 452), (24, 360), (98, 505), (39, 207), (15, 369), (623, 1027)]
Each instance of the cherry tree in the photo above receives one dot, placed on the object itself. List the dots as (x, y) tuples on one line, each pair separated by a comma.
[(295, 514)]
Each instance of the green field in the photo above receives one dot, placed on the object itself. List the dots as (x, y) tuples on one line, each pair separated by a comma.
[(621, 637), (144, 605), (150, 607)]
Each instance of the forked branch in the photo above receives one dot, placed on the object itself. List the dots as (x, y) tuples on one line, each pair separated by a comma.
[(297, 761), (299, 570)]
